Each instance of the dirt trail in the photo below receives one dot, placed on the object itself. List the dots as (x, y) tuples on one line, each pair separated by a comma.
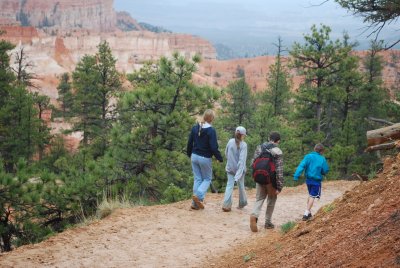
[(164, 236)]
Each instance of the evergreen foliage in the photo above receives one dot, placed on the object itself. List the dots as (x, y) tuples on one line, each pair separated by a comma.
[(134, 142), (65, 95), (376, 13), (149, 141)]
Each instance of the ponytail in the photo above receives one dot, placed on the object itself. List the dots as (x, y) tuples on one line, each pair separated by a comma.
[(200, 127), (208, 117), (238, 139)]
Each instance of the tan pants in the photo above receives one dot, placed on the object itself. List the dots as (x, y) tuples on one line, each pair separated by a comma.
[(263, 192)]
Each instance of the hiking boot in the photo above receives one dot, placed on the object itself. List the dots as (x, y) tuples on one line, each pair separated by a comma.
[(241, 206), (307, 217), (197, 201), (269, 225), (253, 223), (226, 209), (194, 207)]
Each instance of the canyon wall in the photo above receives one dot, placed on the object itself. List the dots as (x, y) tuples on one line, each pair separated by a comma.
[(53, 55), (96, 15)]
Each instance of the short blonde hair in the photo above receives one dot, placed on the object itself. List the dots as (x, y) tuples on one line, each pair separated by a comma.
[(208, 115)]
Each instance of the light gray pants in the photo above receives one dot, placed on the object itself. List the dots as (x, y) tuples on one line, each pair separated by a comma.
[(263, 192)]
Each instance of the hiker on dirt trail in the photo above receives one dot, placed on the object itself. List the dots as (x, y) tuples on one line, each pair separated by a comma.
[(315, 166), (272, 189), (202, 145), (236, 156)]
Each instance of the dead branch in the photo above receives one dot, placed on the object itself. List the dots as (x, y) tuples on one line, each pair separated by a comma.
[(385, 146), (383, 121)]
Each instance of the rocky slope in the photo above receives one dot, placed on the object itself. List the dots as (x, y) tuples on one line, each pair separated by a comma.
[(361, 229)]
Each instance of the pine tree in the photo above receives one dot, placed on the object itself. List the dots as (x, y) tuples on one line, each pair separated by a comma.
[(95, 81), (237, 106), (21, 131), (18, 199), (109, 85), (279, 83), (347, 84), (87, 99), (317, 60), (149, 141), (65, 94)]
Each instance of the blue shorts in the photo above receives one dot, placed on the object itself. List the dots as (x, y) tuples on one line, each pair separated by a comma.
[(314, 190)]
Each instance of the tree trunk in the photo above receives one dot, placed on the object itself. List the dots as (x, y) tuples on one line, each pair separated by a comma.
[(382, 135), (385, 146)]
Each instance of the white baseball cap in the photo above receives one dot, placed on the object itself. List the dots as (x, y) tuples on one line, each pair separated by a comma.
[(241, 130)]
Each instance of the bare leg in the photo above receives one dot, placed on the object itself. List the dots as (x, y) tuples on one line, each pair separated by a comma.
[(310, 203)]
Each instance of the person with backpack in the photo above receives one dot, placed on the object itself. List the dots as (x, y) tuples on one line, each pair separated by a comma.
[(202, 145), (236, 156), (315, 166), (268, 175)]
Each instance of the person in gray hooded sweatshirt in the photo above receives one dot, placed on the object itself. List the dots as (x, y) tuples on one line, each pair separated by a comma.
[(269, 191), (236, 155)]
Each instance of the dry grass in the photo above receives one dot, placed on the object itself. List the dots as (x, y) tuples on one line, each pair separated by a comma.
[(107, 206)]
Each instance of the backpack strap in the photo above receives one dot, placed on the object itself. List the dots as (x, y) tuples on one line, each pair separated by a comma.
[(266, 148)]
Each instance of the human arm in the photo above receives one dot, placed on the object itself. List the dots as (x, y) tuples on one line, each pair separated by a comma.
[(325, 168), (302, 166), (214, 146), (242, 161), (189, 146), (279, 173)]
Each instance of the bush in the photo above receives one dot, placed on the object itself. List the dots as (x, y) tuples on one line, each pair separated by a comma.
[(174, 194), (287, 226)]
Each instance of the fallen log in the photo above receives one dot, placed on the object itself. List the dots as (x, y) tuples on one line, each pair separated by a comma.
[(385, 146), (383, 121), (383, 135)]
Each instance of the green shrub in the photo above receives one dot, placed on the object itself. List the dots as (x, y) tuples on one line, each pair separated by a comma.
[(249, 256), (328, 208), (174, 194), (287, 226)]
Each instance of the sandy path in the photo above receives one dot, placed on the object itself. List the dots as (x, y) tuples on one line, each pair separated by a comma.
[(163, 236)]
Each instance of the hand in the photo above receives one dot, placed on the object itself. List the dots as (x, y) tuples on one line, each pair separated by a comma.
[(277, 192)]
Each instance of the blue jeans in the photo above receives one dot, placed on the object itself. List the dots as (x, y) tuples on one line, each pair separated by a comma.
[(229, 190), (202, 171)]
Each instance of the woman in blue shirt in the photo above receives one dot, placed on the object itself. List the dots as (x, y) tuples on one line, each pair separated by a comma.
[(202, 145)]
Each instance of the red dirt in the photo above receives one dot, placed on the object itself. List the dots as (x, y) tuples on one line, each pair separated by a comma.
[(362, 230)]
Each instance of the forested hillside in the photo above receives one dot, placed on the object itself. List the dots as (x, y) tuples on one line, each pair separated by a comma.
[(133, 142)]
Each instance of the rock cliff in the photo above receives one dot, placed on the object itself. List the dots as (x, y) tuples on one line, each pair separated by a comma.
[(97, 15)]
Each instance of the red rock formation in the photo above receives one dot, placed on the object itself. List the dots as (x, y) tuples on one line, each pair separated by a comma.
[(221, 73), (97, 15), (16, 34)]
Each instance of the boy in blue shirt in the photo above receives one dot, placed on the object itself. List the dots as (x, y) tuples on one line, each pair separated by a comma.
[(315, 167)]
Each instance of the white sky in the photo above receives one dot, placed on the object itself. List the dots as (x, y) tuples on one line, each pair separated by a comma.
[(250, 22)]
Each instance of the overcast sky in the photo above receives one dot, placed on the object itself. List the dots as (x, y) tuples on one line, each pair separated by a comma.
[(250, 22)]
